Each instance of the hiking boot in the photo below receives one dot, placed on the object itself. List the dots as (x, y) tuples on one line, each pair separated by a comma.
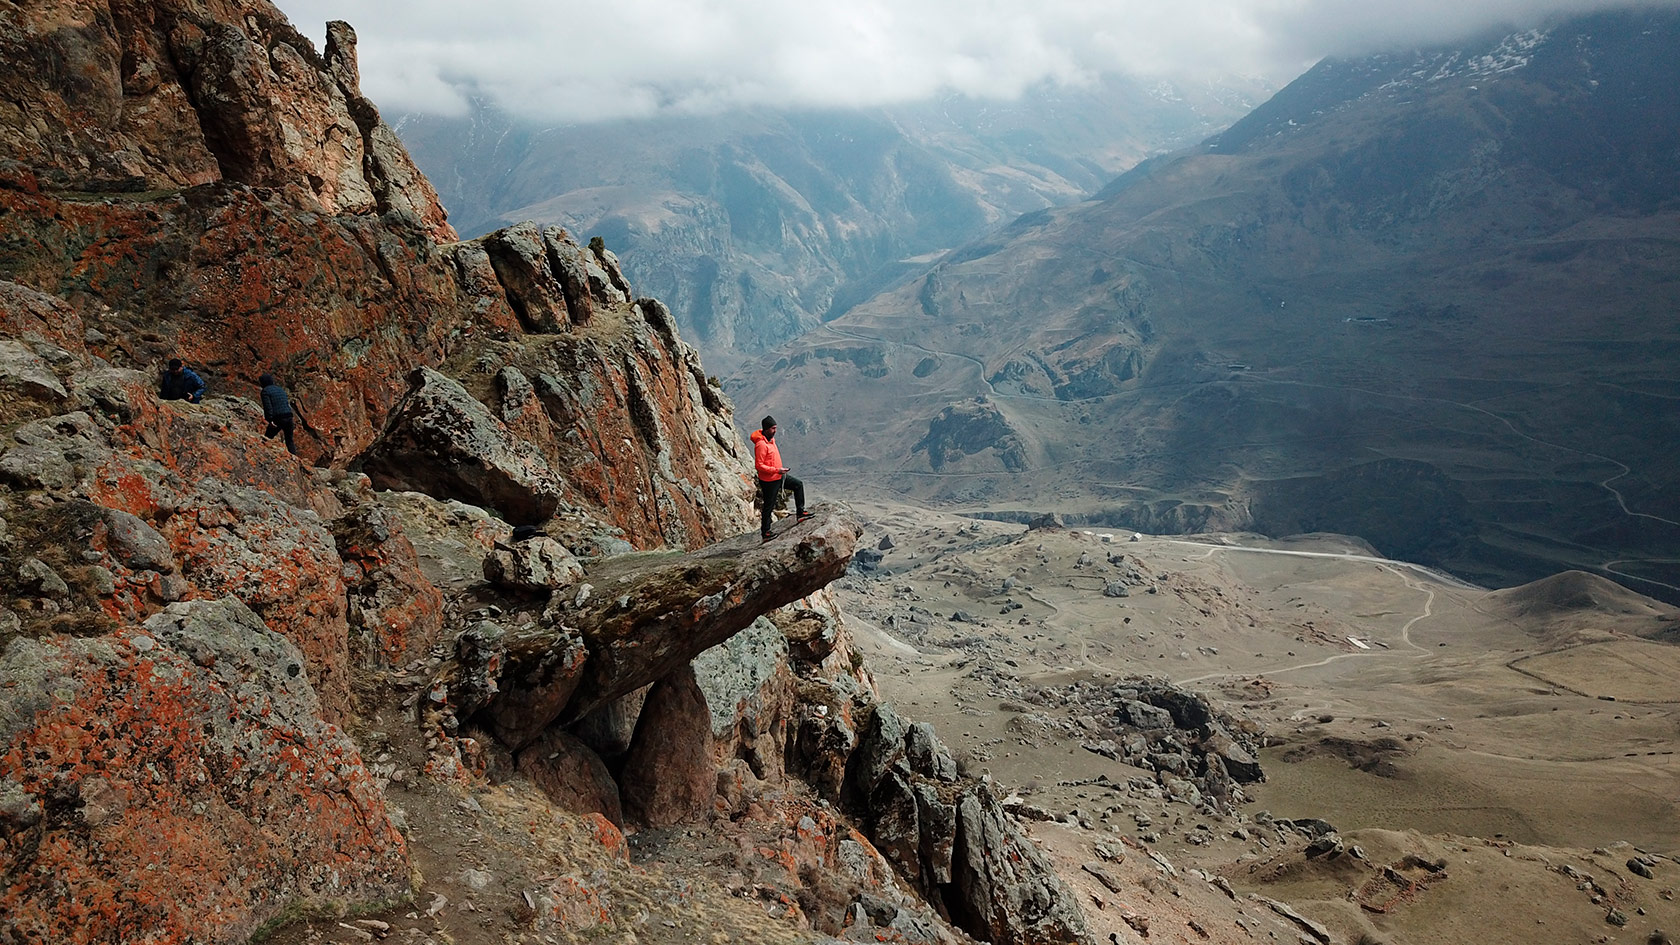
[(805, 515), (766, 536)]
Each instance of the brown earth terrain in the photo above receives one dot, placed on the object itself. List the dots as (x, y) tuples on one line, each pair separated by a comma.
[(1515, 735)]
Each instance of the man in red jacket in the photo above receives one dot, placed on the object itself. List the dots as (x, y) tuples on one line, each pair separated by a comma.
[(772, 476)]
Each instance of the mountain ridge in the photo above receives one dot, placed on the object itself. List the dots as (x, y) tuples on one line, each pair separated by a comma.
[(758, 225), (1306, 298)]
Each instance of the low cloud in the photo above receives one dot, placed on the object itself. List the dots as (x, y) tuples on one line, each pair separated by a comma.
[(561, 60)]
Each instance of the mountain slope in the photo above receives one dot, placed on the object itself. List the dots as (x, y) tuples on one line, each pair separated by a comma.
[(1427, 299), (757, 225)]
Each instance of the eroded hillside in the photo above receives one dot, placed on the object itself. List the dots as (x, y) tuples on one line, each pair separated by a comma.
[(1419, 298), (757, 225)]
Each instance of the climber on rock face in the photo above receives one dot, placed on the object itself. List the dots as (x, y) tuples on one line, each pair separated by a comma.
[(277, 410), (181, 383), (772, 476)]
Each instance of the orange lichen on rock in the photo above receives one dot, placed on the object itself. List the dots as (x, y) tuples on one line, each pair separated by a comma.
[(609, 836), (191, 748), (399, 611)]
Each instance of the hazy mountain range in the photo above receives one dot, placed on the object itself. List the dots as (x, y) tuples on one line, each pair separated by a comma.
[(756, 226), (1428, 298)]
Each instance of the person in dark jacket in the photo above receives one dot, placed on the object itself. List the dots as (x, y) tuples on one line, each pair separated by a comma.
[(277, 410), (181, 383), (773, 476)]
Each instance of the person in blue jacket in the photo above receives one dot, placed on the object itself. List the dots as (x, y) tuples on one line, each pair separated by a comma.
[(181, 383), (277, 410)]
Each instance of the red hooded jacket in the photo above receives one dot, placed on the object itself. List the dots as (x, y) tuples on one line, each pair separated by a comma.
[(766, 458)]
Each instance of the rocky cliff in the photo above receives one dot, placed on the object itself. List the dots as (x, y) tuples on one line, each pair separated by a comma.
[(504, 575)]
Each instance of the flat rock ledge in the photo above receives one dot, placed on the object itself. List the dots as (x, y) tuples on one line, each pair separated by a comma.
[(641, 617)]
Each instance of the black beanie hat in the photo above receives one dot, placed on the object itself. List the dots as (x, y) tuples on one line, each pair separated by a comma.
[(767, 423)]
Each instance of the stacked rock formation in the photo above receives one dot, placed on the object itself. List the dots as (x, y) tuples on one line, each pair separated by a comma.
[(504, 455)]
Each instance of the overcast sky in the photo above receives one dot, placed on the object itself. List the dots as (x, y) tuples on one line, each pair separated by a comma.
[(567, 60)]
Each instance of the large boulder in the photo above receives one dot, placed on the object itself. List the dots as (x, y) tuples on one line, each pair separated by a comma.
[(177, 503), (23, 373), (177, 783), (572, 776), (567, 260), (669, 775), (521, 261), (448, 445)]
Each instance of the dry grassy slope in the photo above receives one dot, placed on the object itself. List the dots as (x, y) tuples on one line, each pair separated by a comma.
[(1467, 279)]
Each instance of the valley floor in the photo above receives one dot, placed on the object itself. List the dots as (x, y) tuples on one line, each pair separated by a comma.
[(1521, 743)]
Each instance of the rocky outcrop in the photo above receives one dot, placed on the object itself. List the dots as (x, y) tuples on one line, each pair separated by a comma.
[(522, 265), (238, 143), (175, 504), (948, 835), (971, 428), (646, 439), (186, 92), (181, 752), (1193, 752), (1006, 890), (632, 621), (535, 675), (446, 444)]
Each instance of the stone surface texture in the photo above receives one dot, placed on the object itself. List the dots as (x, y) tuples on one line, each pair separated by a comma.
[(179, 785), (669, 775), (448, 445)]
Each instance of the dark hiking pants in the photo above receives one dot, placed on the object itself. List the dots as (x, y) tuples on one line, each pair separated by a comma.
[(282, 424), (771, 493)]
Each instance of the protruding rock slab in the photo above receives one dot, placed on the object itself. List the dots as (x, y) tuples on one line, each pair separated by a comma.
[(448, 445), (648, 615), (177, 783)]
